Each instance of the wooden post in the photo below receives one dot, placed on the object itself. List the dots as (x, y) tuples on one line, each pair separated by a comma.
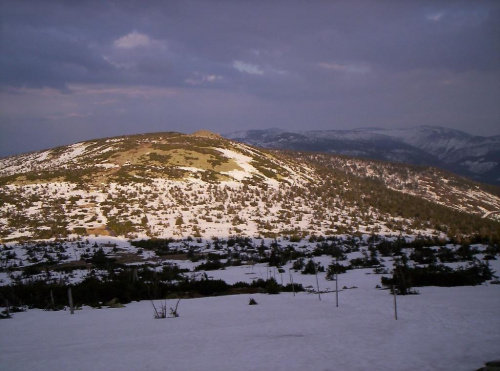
[(52, 300), (337, 289), (395, 303), (291, 281), (317, 281), (70, 297), (337, 282)]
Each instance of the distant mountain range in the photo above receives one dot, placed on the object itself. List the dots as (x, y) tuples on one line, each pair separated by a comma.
[(475, 157)]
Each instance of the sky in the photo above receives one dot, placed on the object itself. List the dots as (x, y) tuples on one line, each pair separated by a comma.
[(78, 70)]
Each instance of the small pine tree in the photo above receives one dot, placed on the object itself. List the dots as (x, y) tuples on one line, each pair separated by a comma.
[(312, 268), (179, 221)]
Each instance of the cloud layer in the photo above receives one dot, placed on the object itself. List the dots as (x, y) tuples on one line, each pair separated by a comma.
[(79, 70)]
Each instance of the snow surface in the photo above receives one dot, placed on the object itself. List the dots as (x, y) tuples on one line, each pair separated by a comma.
[(440, 329)]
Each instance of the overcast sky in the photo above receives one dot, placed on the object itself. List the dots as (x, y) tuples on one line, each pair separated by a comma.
[(76, 70)]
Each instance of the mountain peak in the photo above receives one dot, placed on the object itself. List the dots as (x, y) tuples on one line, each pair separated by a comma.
[(206, 134)]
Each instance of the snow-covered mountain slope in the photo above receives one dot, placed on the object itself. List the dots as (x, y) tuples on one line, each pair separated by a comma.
[(202, 185), (427, 183), (472, 156), (436, 140), (459, 151)]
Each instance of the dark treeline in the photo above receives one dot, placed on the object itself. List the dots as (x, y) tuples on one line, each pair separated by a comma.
[(96, 292)]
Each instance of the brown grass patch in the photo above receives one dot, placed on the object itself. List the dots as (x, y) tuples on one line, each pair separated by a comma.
[(101, 231)]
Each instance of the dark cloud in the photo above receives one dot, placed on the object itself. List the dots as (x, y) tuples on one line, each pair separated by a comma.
[(103, 67)]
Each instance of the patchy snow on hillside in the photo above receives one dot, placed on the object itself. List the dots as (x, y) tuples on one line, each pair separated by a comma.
[(242, 161), (72, 152)]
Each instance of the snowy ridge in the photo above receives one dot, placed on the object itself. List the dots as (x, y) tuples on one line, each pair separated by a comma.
[(429, 185)]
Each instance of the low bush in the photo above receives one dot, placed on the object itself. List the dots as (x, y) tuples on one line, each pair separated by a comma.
[(473, 274), (312, 267), (335, 268), (210, 265)]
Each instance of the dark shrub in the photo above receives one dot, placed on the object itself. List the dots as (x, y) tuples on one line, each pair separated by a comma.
[(312, 267), (334, 268), (210, 265), (211, 287)]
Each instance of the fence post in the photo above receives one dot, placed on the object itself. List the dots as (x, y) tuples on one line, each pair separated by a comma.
[(70, 297), (337, 282), (395, 303), (337, 288), (317, 281), (291, 281)]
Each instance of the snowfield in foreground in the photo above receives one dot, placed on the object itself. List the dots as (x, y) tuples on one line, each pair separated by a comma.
[(440, 329)]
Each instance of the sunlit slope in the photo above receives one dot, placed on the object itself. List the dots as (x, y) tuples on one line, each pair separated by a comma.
[(202, 185)]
